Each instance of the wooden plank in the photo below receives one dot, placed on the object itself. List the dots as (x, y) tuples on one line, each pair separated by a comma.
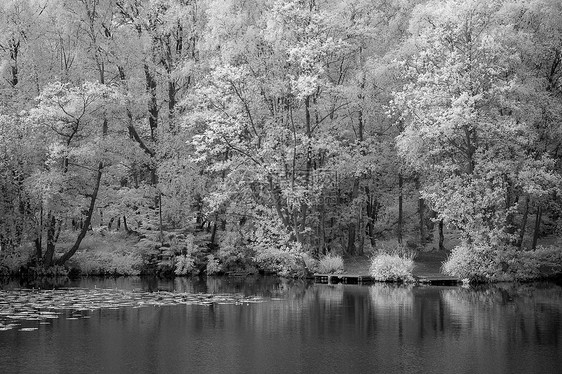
[(358, 278), (343, 278), (437, 278)]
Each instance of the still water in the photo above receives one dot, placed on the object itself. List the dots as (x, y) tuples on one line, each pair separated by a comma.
[(283, 326)]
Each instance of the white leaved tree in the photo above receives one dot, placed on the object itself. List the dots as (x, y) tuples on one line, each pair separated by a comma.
[(463, 126)]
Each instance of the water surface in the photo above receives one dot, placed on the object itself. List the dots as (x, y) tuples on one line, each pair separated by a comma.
[(270, 325)]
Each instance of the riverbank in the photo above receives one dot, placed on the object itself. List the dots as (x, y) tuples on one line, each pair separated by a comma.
[(429, 264)]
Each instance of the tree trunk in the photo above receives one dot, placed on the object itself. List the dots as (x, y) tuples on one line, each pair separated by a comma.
[(351, 239), (322, 236), (523, 223), (537, 227), (50, 252), (351, 228), (152, 102), (39, 239), (421, 214), (160, 217), (214, 234), (400, 207), (441, 236), (86, 225)]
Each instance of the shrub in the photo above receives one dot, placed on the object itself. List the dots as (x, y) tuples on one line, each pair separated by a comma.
[(330, 265), (213, 265), (12, 261), (310, 263), (53, 271), (233, 254), (386, 267), (286, 262), (472, 262), (184, 265), (549, 260), (107, 263), (482, 263)]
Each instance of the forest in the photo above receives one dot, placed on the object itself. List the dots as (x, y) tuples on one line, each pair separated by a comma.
[(280, 135)]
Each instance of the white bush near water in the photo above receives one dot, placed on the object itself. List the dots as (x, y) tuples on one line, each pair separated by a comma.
[(392, 268)]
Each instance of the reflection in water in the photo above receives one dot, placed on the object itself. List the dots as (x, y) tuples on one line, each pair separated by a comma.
[(302, 328)]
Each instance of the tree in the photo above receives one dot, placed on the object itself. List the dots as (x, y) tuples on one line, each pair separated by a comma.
[(74, 121), (462, 128)]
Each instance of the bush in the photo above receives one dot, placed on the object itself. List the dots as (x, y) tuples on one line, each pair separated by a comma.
[(213, 265), (310, 263), (184, 265), (288, 262), (187, 262), (482, 263), (390, 267), (549, 259), (53, 271), (107, 263), (12, 261), (330, 265), (234, 255)]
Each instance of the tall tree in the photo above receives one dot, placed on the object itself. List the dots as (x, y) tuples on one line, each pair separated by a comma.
[(461, 130)]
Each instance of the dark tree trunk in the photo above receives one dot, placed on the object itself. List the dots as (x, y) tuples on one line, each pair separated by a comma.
[(49, 253), (125, 226), (537, 227), (351, 239), (351, 228), (160, 217), (523, 223), (400, 207), (38, 249), (372, 215), (152, 102), (89, 215), (421, 214), (441, 236), (39, 239), (214, 234)]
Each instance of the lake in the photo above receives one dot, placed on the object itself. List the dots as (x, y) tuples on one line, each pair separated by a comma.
[(272, 325)]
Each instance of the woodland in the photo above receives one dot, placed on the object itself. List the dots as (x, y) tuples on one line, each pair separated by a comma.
[(270, 134)]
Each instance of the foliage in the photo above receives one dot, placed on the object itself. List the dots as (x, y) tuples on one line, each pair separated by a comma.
[(310, 263), (184, 265), (330, 264), (463, 126), (12, 261), (111, 253), (107, 263), (234, 255), (392, 268), (213, 265), (286, 263), (44, 272), (394, 248), (486, 264), (289, 128)]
